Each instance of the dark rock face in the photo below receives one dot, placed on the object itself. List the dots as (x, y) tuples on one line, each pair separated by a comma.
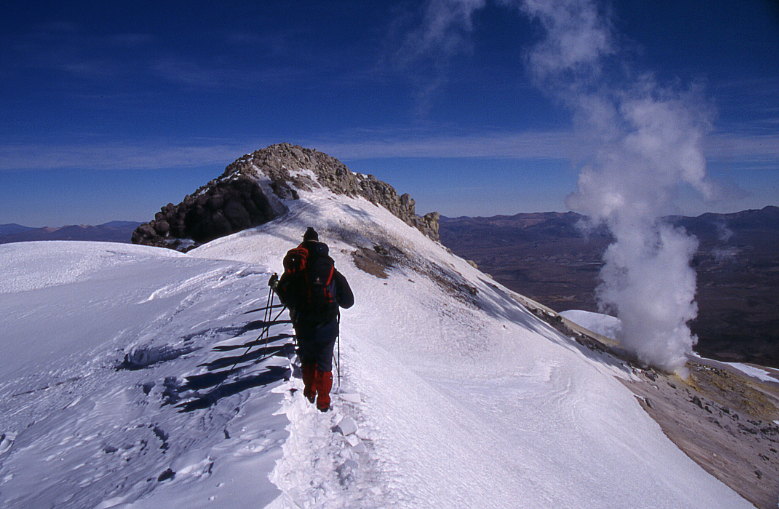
[(236, 200), (222, 207)]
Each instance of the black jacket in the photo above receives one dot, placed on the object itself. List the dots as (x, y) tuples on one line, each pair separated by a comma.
[(287, 290)]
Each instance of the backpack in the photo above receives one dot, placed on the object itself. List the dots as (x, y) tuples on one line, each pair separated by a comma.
[(312, 288), (295, 260)]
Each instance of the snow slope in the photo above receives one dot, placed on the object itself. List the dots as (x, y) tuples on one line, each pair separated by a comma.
[(467, 403), (451, 394), (605, 325), (761, 374), (78, 432)]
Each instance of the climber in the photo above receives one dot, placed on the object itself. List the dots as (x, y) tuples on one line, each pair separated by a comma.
[(313, 290)]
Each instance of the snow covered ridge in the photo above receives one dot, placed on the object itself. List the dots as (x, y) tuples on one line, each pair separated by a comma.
[(467, 399), (252, 191), (142, 379)]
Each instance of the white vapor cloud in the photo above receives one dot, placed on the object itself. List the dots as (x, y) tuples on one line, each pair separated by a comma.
[(648, 142), (642, 143), (577, 38)]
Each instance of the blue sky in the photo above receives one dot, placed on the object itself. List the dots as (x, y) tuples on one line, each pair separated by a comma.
[(112, 109)]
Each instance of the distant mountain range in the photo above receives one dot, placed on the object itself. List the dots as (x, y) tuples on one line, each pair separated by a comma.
[(114, 231), (546, 257)]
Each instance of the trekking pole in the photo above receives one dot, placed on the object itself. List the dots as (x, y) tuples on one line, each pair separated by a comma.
[(338, 349), (265, 332), (268, 305), (267, 337), (338, 364), (262, 309), (266, 318)]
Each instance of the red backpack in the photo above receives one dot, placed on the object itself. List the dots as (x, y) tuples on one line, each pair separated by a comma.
[(311, 291), (295, 260)]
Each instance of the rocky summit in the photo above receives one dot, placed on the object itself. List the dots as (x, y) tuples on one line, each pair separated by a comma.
[(252, 191)]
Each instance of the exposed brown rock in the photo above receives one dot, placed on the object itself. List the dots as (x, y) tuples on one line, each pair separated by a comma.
[(236, 200), (723, 420), (374, 261), (280, 162)]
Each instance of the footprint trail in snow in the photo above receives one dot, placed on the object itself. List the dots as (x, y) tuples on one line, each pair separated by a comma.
[(328, 459)]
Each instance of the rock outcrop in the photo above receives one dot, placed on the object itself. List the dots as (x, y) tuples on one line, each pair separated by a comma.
[(250, 193)]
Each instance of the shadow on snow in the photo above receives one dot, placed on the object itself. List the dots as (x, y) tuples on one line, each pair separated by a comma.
[(270, 375)]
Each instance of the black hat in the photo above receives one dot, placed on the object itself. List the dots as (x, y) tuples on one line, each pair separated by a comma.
[(310, 234)]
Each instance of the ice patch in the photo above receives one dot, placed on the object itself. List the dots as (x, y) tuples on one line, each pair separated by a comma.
[(303, 172), (111, 502), (353, 440)]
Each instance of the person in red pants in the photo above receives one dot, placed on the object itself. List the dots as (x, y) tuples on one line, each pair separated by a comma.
[(314, 290)]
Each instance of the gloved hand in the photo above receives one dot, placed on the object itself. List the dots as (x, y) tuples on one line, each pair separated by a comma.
[(273, 282)]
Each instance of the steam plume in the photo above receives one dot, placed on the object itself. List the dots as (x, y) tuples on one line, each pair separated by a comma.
[(649, 142), (644, 142)]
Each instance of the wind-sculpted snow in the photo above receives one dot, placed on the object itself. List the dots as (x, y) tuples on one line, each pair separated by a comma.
[(144, 357), (40, 265), (96, 379)]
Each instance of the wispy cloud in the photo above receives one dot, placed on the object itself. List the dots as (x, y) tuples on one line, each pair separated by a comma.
[(156, 155), (132, 40), (208, 75), (427, 49), (116, 156), (444, 30), (69, 49), (64, 47), (511, 145), (734, 149)]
